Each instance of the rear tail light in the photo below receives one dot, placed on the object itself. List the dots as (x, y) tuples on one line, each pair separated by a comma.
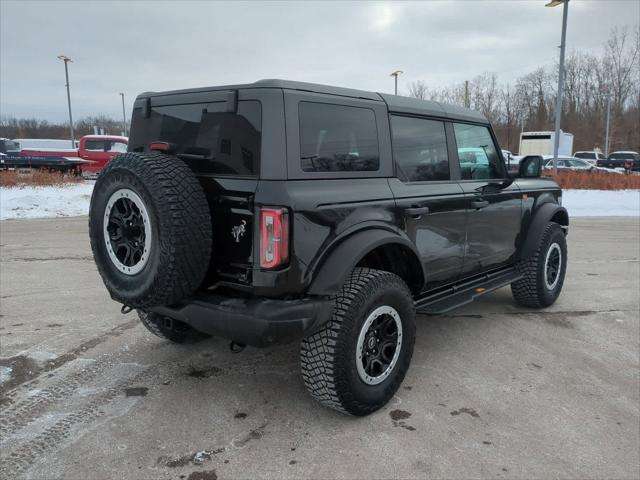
[(274, 237)]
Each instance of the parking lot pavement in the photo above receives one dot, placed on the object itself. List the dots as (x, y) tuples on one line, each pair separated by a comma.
[(493, 391)]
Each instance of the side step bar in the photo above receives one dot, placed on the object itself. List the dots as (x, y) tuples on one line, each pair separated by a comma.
[(465, 292)]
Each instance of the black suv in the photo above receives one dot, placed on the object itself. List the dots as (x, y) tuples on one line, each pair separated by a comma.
[(630, 161), (280, 211)]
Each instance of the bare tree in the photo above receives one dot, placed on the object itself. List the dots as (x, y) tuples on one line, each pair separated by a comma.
[(418, 89)]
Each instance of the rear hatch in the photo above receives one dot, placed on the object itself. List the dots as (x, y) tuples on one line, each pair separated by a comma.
[(219, 138)]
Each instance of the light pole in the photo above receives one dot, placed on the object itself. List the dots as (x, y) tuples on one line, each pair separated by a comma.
[(124, 116), (66, 60), (395, 74), (556, 143), (606, 135)]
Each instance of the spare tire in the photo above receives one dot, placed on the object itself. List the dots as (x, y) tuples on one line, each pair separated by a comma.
[(150, 229)]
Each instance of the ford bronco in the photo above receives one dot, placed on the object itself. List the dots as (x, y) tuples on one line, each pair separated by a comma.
[(279, 211)]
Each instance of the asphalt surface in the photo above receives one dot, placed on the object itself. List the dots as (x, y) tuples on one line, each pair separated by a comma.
[(494, 390)]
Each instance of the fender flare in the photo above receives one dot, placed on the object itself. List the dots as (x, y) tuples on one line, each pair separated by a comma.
[(541, 217), (338, 263)]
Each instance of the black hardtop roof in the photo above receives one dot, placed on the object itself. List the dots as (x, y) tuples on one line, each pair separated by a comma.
[(395, 103)]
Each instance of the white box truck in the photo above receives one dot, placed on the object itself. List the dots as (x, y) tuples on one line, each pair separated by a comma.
[(541, 143)]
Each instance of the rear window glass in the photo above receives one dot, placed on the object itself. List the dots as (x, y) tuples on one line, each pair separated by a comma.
[(337, 138), (205, 135), (622, 156), (105, 146), (587, 155)]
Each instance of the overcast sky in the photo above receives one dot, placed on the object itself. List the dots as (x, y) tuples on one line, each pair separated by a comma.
[(133, 47)]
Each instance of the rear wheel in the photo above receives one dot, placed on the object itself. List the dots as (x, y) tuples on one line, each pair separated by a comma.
[(170, 329), (544, 271), (356, 362)]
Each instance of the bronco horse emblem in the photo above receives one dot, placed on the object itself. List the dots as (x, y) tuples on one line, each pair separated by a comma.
[(238, 230)]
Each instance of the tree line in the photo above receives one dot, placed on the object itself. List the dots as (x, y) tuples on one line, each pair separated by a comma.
[(11, 127), (528, 103)]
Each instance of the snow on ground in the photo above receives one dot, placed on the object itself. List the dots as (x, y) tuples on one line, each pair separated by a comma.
[(602, 203), (39, 202), (73, 200)]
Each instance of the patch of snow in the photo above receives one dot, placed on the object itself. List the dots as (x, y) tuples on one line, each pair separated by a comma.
[(5, 374), (69, 200), (201, 456), (602, 203)]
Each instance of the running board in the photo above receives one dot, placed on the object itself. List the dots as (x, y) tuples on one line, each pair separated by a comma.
[(465, 292)]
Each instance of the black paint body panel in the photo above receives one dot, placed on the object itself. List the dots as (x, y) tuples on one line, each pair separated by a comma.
[(338, 218)]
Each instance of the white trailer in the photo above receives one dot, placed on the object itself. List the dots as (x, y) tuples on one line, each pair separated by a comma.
[(541, 143)]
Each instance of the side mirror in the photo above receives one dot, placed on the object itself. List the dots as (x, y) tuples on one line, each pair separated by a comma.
[(530, 166)]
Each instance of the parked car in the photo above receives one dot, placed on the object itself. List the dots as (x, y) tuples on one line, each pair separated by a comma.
[(576, 164), (92, 154), (40, 153), (567, 163), (281, 211), (9, 147), (627, 160), (590, 156), (98, 150)]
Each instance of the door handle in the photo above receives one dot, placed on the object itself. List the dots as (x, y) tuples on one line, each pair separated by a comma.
[(478, 204), (416, 211)]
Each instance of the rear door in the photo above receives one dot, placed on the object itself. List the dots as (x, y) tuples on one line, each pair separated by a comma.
[(221, 141), (431, 203), (493, 201)]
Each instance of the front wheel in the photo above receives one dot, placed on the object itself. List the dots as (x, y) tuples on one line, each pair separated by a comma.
[(358, 360), (543, 272)]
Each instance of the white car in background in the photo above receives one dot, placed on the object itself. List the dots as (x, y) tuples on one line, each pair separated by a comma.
[(591, 156)]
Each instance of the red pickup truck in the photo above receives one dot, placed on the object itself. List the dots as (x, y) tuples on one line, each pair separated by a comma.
[(99, 149), (92, 153)]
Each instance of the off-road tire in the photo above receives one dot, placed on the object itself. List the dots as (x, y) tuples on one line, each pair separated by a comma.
[(180, 219), (531, 290), (328, 356), (169, 329)]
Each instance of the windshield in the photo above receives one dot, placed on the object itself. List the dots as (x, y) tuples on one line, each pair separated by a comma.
[(589, 155), (9, 146)]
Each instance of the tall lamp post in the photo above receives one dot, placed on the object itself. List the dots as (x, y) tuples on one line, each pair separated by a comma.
[(395, 74), (606, 135), (66, 60), (556, 143), (124, 116)]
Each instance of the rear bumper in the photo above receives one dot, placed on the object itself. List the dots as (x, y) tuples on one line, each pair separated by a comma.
[(252, 321)]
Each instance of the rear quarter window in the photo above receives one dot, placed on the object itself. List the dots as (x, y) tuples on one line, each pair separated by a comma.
[(337, 138)]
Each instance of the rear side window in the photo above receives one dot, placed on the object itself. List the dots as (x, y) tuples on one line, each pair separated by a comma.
[(419, 149), (119, 147), (205, 135), (105, 146), (477, 154), (95, 145), (337, 138)]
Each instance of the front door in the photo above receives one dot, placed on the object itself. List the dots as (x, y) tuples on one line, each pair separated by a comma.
[(493, 201), (431, 206)]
